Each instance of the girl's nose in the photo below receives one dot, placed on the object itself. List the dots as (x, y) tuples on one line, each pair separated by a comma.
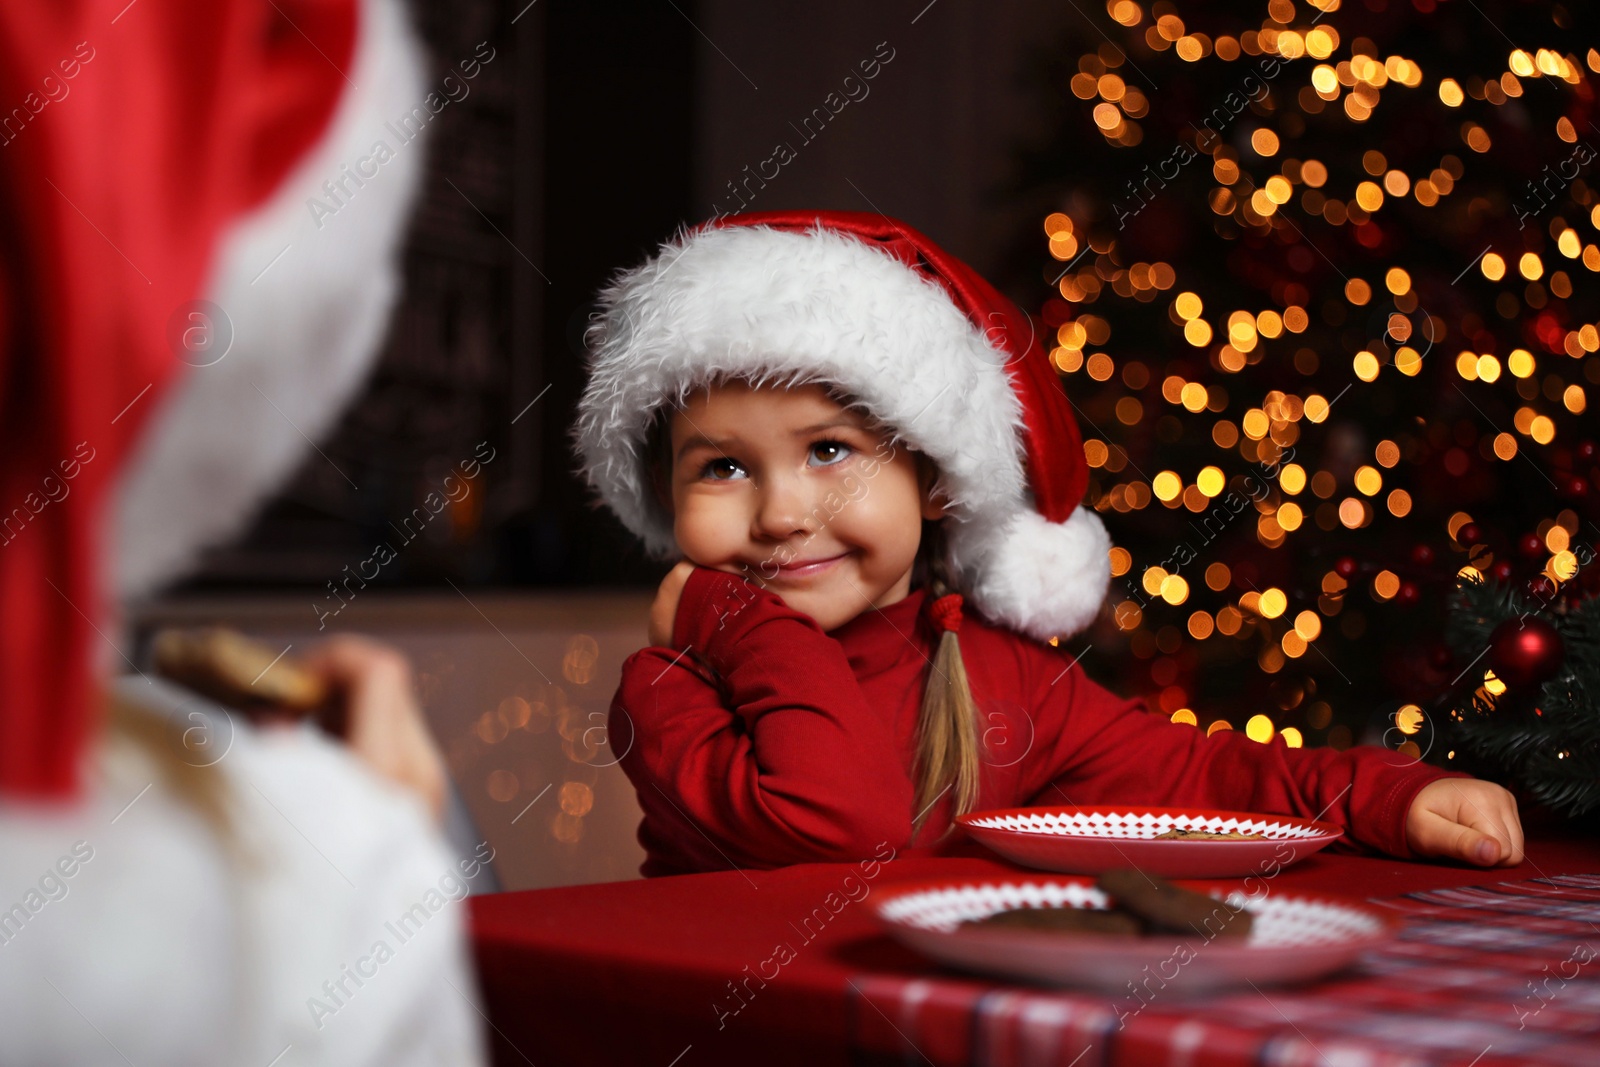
[(783, 509)]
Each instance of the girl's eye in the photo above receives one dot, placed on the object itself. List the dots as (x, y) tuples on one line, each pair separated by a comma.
[(829, 452), (721, 469)]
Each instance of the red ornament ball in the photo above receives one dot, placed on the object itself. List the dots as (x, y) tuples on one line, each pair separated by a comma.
[(1586, 451), (1501, 571), (1346, 568), (1525, 652), (1531, 545), (1576, 487), (1541, 588), (1408, 595), (1469, 534), (1422, 555)]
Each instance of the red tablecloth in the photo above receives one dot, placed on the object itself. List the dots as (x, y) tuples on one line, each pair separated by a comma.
[(664, 973)]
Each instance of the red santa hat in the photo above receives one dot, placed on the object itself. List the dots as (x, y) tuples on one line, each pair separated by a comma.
[(932, 350), (141, 145)]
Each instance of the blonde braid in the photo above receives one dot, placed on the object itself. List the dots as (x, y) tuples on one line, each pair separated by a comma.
[(947, 732)]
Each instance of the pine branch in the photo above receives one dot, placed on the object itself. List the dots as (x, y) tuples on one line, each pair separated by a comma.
[(1546, 739)]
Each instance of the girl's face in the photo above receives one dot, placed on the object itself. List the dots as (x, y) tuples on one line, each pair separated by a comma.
[(792, 490)]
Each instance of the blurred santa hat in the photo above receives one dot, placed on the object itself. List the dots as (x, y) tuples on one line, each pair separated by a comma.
[(155, 187)]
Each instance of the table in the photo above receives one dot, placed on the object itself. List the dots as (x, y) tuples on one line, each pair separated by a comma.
[(679, 972)]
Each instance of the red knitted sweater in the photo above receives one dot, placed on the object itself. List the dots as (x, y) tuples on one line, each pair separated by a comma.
[(760, 741)]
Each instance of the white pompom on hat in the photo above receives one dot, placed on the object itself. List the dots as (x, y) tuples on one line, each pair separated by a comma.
[(931, 350)]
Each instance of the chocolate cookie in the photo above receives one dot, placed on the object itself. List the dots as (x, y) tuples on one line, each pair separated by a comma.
[(235, 670), (1177, 834), (1164, 906), (1067, 920)]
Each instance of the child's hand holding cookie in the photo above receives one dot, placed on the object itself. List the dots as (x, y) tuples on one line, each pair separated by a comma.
[(1466, 819), (378, 714)]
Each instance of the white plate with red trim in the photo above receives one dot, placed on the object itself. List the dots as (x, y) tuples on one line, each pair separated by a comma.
[(1089, 840), (1295, 936)]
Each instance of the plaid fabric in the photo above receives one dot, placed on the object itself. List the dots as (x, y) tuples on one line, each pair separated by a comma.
[(1485, 976)]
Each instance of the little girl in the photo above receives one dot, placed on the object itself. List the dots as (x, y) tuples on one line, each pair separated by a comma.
[(862, 455)]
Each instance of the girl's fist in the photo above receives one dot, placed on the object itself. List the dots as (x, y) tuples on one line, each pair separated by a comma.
[(1466, 819), (664, 612)]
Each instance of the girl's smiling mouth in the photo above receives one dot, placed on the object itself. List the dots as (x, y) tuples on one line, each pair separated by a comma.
[(807, 568)]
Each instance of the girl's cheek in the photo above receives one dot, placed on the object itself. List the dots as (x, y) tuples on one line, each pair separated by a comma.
[(706, 526), (853, 487)]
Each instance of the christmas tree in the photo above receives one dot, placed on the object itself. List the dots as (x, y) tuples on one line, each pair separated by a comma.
[(1529, 713), (1323, 279)]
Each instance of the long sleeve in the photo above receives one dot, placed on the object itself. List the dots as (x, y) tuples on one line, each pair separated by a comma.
[(770, 757), (1108, 749)]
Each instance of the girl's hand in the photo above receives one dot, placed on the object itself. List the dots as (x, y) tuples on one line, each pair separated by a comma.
[(1466, 819), (664, 612)]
